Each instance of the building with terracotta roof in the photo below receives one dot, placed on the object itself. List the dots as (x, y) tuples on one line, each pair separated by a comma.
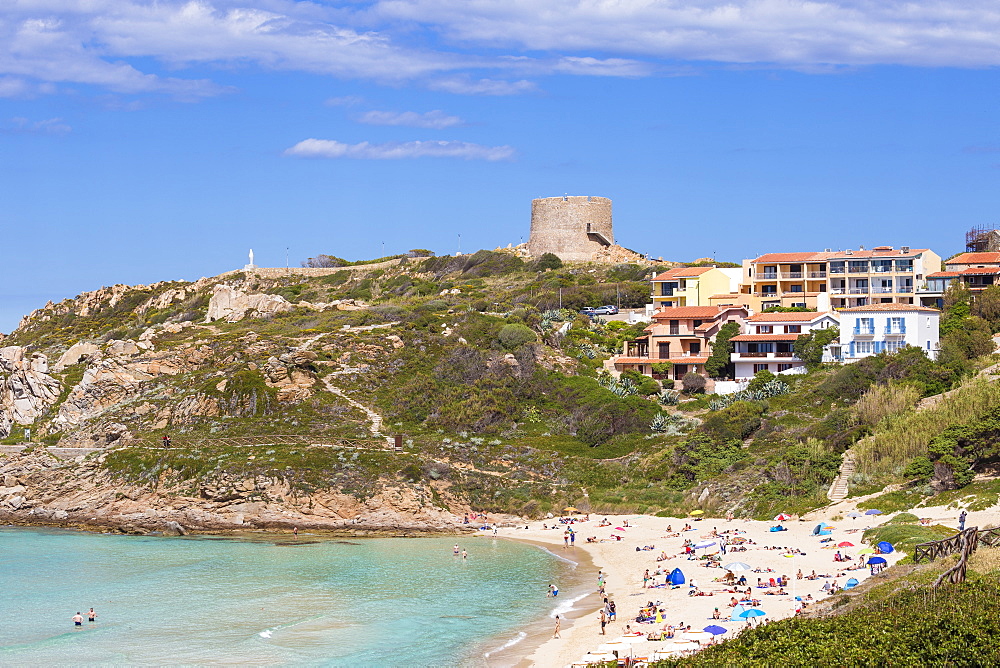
[(766, 343), (873, 328), (678, 341), (977, 271), (692, 286), (837, 279)]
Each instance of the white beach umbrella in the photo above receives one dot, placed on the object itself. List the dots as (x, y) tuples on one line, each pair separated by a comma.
[(598, 657), (698, 636), (631, 640), (738, 566)]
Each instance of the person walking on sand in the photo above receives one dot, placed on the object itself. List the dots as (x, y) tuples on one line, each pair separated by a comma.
[(961, 521), (558, 624), (91, 616), (78, 619), (604, 621)]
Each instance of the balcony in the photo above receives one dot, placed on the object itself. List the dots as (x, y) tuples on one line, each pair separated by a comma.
[(839, 291), (859, 291), (817, 274), (904, 288), (864, 331), (883, 290), (754, 354), (895, 331), (785, 353), (674, 331), (772, 295), (836, 270), (766, 277), (793, 274), (857, 270), (908, 269), (882, 270)]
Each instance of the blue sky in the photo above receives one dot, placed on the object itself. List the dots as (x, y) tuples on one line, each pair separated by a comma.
[(144, 141)]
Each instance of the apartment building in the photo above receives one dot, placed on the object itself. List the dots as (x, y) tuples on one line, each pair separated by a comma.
[(977, 271), (837, 279), (766, 343), (692, 286), (680, 337), (873, 328)]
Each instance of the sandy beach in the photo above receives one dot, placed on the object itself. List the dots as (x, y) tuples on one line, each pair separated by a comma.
[(751, 542)]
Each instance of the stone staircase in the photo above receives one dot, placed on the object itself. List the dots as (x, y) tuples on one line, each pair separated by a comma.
[(838, 490)]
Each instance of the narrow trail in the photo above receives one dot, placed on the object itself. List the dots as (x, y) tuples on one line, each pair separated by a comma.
[(374, 418)]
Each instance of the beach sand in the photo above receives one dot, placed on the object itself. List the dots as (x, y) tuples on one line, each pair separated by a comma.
[(624, 567)]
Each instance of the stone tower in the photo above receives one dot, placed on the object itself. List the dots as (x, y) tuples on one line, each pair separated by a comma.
[(574, 228)]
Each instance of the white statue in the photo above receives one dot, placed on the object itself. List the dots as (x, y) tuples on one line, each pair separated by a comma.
[(251, 257)]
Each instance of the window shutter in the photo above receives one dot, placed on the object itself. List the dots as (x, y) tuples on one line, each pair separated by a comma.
[(852, 348)]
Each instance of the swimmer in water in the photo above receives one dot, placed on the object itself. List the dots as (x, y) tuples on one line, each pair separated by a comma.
[(455, 550), (78, 619), (91, 616), (465, 555)]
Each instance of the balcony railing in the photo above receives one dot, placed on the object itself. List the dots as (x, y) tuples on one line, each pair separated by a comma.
[(767, 277), (754, 354), (784, 353), (674, 331), (793, 274), (906, 269), (883, 289), (817, 274), (857, 270), (895, 331), (838, 291), (882, 270), (859, 291), (904, 288), (765, 294), (836, 270), (864, 331)]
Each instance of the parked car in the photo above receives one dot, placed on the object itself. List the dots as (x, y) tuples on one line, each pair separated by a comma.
[(590, 310), (612, 310)]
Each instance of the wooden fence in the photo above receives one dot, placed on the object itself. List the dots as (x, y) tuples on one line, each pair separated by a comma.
[(942, 548), (300, 440)]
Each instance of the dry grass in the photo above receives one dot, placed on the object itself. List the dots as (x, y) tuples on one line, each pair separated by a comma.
[(884, 401), (901, 437)]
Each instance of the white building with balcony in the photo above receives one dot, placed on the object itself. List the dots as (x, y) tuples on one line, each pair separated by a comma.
[(767, 340), (874, 328)]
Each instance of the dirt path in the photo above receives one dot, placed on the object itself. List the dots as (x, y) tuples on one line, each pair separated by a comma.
[(375, 426)]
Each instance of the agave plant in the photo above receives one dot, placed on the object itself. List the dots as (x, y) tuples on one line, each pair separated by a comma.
[(770, 389)]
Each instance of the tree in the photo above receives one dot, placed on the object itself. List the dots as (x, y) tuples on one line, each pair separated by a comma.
[(987, 306), (760, 379), (324, 261), (809, 347), (693, 383), (548, 261), (973, 339), (719, 363), (956, 307)]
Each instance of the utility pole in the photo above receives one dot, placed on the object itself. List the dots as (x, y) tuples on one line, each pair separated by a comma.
[(459, 243), (618, 293), (560, 299), (286, 258)]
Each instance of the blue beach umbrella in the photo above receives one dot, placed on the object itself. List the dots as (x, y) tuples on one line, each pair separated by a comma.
[(752, 612), (853, 582), (873, 512), (885, 547), (703, 544), (875, 561), (676, 577), (715, 630)]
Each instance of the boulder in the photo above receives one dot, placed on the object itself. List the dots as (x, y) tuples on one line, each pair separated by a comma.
[(77, 352)]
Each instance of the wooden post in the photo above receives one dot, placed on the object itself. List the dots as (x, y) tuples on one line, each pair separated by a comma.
[(398, 442)]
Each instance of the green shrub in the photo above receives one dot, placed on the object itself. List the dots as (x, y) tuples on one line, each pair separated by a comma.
[(693, 383), (514, 336), (738, 421)]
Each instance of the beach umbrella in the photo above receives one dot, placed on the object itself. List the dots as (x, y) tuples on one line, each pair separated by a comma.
[(875, 561), (619, 528), (738, 566), (703, 544), (873, 512), (885, 547), (781, 517), (698, 636), (570, 509), (598, 657), (676, 577), (697, 512), (715, 630), (631, 640), (752, 612), (846, 543), (853, 582), (866, 550), (854, 516)]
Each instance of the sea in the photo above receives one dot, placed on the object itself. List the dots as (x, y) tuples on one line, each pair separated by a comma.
[(273, 600)]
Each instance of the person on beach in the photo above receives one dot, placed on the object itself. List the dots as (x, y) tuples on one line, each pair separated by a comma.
[(91, 616), (78, 619), (612, 611), (604, 621), (465, 555), (558, 624), (295, 531), (455, 550), (961, 521)]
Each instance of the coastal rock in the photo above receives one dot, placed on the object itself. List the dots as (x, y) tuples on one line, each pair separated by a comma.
[(77, 352), (26, 388), (228, 303)]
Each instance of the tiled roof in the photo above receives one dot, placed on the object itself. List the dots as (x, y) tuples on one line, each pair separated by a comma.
[(886, 253), (888, 307), (688, 360), (705, 326), (975, 258), (689, 312), (983, 271), (728, 295), (682, 272), (944, 274), (765, 337), (779, 316), (792, 257)]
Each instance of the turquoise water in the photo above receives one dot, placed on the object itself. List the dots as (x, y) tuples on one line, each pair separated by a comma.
[(386, 601)]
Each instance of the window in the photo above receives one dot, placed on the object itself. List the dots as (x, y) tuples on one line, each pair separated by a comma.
[(893, 346), (759, 367), (667, 289), (837, 267), (798, 304), (882, 266), (795, 288), (765, 329), (904, 265), (784, 367), (675, 328), (896, 325), (864, 347), (769, 289), (858, 266), (697, 323), (793, 329)]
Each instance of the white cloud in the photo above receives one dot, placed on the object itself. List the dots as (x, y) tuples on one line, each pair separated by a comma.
[(328, 148), (792, 33), (344, 101), (49, 126), (436, 119), (463, 85)]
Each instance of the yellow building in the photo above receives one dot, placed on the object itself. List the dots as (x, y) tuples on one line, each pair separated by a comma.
[(692, 286)]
